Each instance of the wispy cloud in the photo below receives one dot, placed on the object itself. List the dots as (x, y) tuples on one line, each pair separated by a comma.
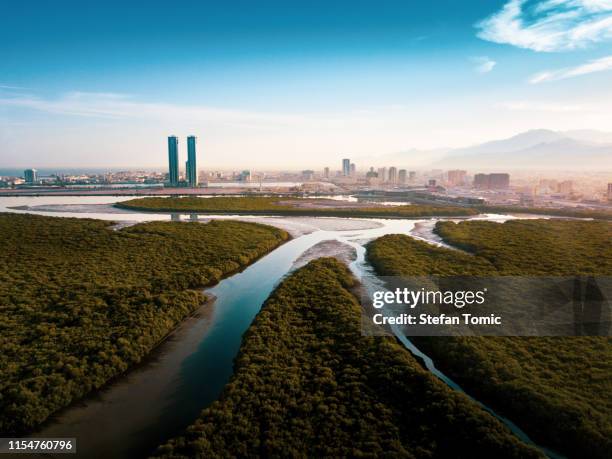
[(7, 86), (536, 106), (118, 106), (128, 108), (549, 25), (596, 65), (482, 64)]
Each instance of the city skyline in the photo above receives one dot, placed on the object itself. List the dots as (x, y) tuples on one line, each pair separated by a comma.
[(292, 86), (552, 151)]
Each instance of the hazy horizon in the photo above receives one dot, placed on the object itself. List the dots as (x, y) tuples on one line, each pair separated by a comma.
[(288, 86)]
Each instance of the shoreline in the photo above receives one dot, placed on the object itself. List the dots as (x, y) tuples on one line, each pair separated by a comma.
[(299, 212), (149, 358)]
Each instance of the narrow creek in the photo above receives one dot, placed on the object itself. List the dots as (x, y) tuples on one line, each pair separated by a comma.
[(186, 373), (370, 282)]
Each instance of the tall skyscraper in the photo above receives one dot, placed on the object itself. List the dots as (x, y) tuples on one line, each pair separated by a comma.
[(326, 172), (30, 176), (346, 167), (402, 177), (192, 168), (173, 167), (393, 174), (353, 170)]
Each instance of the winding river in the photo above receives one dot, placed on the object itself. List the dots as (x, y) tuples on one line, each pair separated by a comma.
[(187, 372)]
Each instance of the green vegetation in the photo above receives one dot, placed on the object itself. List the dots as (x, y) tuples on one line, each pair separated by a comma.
[(284, 206), (80, 303), (572, 213), (559, 390), (308, 384), (535, 247)]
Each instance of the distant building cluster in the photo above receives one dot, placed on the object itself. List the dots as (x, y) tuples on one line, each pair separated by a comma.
[(456, 186), (120, 179)]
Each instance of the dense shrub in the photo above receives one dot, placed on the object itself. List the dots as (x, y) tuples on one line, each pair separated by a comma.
[(557, 389), (81, 303), (283, 206), (308, 384)]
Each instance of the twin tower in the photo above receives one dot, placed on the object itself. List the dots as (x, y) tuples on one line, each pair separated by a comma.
[(191, 169)]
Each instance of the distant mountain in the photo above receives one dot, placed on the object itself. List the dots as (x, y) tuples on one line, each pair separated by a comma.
[(591, 136), (518, 142), (536, 149)]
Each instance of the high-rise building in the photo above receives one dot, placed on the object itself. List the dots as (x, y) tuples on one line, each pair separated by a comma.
[(173, 168), (372, 177), (481, 181), (499, 181), (346, 167), (308, 174), (30, 176), (353, 170), (456, 177), (392, 174), (382, 174), (402, 177), (491, 181), (245, 176), (192, 168), (411, 176), (326, 172)]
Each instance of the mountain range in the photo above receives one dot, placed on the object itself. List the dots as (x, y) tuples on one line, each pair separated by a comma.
[(540, 149)]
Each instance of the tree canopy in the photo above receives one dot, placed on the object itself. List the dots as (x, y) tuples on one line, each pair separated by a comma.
[(557, 389), (80, 302), (307, 383), (261, 205)]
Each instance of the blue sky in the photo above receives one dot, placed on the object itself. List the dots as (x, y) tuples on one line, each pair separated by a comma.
[(293, 84)]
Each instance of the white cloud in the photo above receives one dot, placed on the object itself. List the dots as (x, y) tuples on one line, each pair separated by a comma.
[(549, 25), (483, 64), (535, 106), (118, 106), (596, 65)]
